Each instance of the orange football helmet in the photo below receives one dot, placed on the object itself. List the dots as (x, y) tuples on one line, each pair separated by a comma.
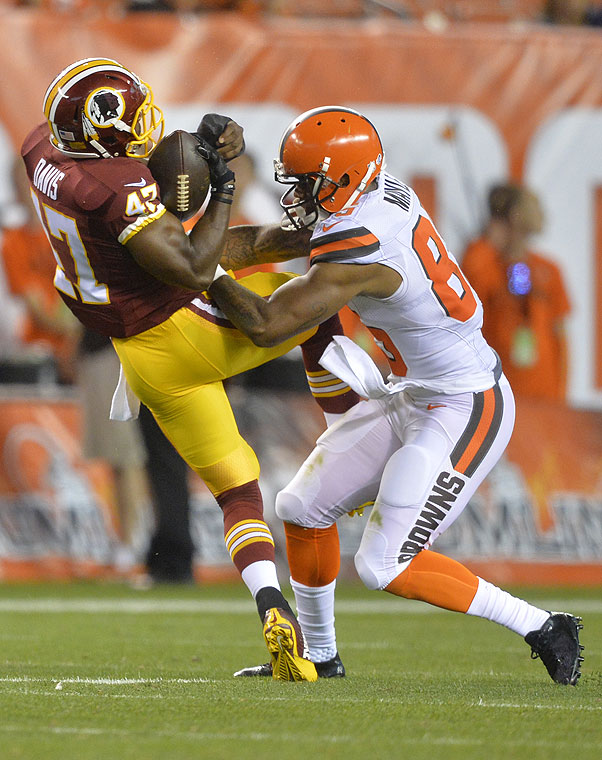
[(330, 155), (96, 108)]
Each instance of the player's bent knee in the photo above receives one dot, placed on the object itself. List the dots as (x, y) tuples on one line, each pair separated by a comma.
[(289, 507), (368, 574)]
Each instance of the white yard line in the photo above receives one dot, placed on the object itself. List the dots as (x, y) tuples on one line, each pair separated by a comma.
[(109, 681), (239, 607), (196, 736), (283, 737), (59, 691), (535, 706)]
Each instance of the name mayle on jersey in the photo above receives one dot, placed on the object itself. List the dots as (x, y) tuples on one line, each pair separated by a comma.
[(46, 178)]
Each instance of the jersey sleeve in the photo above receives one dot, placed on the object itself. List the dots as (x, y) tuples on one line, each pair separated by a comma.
[(345, 242), (131, 197)]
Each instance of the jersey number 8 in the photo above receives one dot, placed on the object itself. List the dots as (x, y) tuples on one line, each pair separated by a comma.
[(447, 281)]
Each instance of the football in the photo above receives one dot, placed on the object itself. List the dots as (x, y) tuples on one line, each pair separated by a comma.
[(181, 173)]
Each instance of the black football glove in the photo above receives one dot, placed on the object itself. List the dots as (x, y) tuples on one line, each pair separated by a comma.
[(211, 127), (221, 176)]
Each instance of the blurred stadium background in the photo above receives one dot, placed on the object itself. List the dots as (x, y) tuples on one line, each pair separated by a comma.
[(465, 93)]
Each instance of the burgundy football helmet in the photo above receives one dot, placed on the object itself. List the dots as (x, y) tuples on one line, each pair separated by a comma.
[(96, 108)]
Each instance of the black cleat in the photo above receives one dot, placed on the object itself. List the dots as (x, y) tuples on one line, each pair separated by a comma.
[(256, 670), (333, 668), (557, 644)]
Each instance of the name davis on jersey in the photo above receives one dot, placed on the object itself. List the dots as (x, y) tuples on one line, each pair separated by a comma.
[(46, 178)]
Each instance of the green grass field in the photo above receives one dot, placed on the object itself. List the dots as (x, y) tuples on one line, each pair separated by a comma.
[(101, 671)]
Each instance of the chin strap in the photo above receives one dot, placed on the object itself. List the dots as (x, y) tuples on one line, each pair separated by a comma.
[(299, 219), (97, 146), (361, 187), (92, 136)]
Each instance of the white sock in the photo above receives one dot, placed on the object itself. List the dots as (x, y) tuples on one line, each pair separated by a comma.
[(315, 611), (492, 603), (260, 574)]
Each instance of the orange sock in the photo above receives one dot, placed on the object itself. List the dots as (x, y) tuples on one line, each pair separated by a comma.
[(438, 580), (314, 556)]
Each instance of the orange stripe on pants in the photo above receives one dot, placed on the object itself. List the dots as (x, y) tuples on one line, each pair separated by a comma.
[(477, 439)]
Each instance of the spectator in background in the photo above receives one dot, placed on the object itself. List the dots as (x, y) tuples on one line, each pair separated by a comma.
[(170, 555), (524, 298), (130, 6), (145, 467), (182, 6), (119, 444), (48, 326), (148, 5), (573, 12)]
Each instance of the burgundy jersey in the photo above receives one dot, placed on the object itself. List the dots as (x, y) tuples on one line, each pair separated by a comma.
[(90, 208)]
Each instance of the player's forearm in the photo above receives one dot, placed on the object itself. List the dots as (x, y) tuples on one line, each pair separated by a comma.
[(246, 310), (275, 244), (249, 245), (239, 251), (208, 238)]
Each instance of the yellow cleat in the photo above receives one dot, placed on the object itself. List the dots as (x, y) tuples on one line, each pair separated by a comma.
[(286, 645)]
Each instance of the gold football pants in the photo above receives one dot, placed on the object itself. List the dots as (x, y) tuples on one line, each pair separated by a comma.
[(176, 369)]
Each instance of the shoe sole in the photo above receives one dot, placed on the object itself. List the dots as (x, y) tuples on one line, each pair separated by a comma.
[(287, 666), (257, 671), (576, 670), (323, 669), (566, 673)]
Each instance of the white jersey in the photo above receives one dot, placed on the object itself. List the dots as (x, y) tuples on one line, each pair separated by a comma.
[(430, 328)]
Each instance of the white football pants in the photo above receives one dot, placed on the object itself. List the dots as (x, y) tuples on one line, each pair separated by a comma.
[(418, 456)]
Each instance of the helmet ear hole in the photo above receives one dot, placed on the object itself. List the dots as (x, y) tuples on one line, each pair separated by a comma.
[(344, 181)]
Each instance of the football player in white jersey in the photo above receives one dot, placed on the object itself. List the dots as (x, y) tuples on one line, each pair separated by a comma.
[(420, 444)]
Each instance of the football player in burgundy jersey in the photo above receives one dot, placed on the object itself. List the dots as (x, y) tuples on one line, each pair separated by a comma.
[(127, 269), (419, 446)]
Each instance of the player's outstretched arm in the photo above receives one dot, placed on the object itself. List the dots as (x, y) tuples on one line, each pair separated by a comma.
[(301, 303), (249, 245)]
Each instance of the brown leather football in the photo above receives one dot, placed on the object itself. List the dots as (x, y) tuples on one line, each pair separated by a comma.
[(181, 173)]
